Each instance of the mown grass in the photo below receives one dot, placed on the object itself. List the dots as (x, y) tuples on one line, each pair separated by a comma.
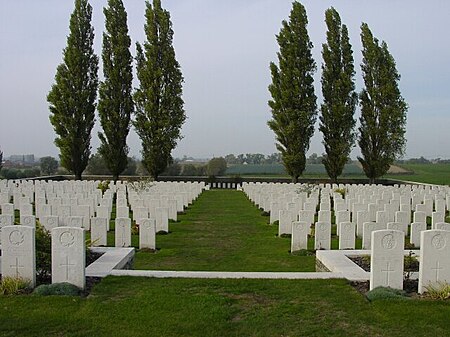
[(223, 231), (126, 306)]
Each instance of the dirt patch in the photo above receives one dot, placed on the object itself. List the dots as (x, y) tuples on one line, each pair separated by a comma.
[(393, 169)]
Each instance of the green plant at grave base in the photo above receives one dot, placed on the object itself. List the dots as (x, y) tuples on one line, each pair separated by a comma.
[(143, 185), (14, 285), (103, 186), (386, 293), (411, 264), (65, 289), (308, 188), (438, 291), (134, 228), (43, 254), (341, 191)]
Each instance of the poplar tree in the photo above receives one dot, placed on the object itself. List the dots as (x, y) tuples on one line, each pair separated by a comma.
[(293, 104), (337, 122), (383, 109), (115, 105), (72, 97), (159, 104)]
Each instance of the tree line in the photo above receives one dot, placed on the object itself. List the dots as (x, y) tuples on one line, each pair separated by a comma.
[(158, 107), (381, 134), (156, 104)]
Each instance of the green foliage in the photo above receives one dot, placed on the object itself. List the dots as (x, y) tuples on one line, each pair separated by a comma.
[(14, 285), (293, 101), (131, 167), (159, 104), (216, 167), (438, 291), (383, 109), (384, 293), (72, 97), (115, 104), (61, 289), (341, 191), (172, 170), (337, 121), (15, 173), (97, 165), (43, 254), (103, 186), (49, 165), (193, 170)]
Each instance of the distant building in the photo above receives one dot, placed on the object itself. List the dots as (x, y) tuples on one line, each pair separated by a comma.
[(22, 159)]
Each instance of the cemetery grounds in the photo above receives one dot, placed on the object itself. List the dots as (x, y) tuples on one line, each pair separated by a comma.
[(222, 231)]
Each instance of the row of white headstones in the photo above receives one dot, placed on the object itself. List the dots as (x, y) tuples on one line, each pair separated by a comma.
[(144, 205), (68, 243), (384, 238)]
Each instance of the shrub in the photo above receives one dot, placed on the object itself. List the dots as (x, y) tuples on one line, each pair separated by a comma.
[(103, 186), (64, 288), (386, 293), (438, 291), (43, 254), (14, 285)]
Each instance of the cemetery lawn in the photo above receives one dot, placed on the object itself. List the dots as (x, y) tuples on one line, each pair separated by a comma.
[(133, 306), (425, 173), (222, 231)]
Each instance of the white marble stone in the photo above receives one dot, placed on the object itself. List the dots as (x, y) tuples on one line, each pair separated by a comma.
[(75, 221), (28, 220), (361, 218), (18, 252), (162, 219), (99, 231), (324, 216), (50, 221), (416, 229), (147, 234), (368, 228), (437, 217), (299, 238), (285, 222), (420, 216), (123, 232), (434, 261), (322, 236), (444, 226), (69, 256), (386, 261), (347, 235), (122, 212), (8, 209), (306, 216)]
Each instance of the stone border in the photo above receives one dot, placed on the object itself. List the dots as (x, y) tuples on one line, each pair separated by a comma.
[(112, 258), (227, 275)]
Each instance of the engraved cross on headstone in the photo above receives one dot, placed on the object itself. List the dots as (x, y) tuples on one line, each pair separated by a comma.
[(387, 271), (16, 266), (67, 265), (436, 269)]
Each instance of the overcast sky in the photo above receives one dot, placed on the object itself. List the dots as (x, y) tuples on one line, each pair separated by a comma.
[(224, 49)]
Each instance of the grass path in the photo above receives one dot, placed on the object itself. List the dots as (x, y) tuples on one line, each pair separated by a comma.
[(133, 306), (223, 231)]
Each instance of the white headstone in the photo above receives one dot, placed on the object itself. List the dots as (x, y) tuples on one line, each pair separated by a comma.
[(443, 226), (416, 229), (162, 219), (49, 222), (299, 239), (306, 216), (28, 220), (69, 256), (18, 252), (420, 217), (285, 222), (122, 212), (147, 234), (434, 261), (75, 221), (368, 228), (324, 216), (386, 261), (322, 239), (346, 235), (437, 217), (99, 231), (123, 232)]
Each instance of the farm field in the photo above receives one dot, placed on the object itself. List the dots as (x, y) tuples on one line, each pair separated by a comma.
[(423, 173)]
